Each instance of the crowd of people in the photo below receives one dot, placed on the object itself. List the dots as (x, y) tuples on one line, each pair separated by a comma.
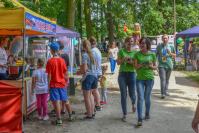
[(137, 64), (136, 75)]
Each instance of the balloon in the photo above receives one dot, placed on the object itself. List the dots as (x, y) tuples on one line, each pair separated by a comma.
[(75, 42), (179, 40)]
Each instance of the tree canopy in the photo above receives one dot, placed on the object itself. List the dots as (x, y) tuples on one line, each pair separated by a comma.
[(106, 18)]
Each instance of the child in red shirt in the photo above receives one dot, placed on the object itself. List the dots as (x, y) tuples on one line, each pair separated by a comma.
[(57, 77)]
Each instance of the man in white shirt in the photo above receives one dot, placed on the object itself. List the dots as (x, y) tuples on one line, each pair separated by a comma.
[(98, 58)]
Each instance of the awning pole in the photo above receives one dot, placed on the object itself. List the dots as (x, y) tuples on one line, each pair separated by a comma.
[(23, 76)]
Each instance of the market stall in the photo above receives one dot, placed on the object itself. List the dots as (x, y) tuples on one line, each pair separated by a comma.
[(183, 42), (20, 21)]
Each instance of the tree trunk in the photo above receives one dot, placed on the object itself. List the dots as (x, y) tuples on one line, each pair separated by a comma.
[(70, 13), (102, 11), (87, 13), (110, 24), (79, 17)]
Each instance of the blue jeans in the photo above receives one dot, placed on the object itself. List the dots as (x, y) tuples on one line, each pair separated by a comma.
[(164, 79), (3, 76), (127, 79), (144, 88), (112, 64)]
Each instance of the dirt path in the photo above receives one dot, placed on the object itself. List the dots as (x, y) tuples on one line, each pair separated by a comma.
[(171, 115)]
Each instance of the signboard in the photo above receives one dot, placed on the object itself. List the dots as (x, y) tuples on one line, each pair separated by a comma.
[(31, 99), (38, 24)]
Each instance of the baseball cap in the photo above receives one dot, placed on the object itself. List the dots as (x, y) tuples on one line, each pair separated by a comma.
[(54, 46)]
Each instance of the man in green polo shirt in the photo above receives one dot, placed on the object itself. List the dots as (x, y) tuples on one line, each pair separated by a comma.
[(165, 52)]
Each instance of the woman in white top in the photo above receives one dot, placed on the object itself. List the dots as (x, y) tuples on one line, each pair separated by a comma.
[(113, 50), (3, 58)]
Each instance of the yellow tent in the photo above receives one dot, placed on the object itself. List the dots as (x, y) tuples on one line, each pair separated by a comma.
[(16, 20)]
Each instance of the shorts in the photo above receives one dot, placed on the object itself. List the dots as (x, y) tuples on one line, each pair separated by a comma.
[(58, 94), (90, 82)]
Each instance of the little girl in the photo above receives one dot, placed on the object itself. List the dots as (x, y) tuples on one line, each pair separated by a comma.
[(40, 87), (137, 33), (103, 84)]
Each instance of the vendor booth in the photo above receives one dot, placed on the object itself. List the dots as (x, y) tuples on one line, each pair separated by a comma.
[(183, 40), (22, 22)]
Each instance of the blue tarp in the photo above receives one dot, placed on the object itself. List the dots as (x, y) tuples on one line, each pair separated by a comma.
[(192, 32)]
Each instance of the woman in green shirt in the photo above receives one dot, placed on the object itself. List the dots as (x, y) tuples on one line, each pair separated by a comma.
[(127, 75), (145, 63)]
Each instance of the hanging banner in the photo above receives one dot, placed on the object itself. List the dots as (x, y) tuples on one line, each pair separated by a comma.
[(38, 24)]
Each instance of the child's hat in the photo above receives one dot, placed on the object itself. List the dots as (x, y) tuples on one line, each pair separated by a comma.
[(54, 46)]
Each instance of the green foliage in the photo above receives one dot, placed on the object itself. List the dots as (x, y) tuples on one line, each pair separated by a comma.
[(7, 3), (155, 16), (192, 75)]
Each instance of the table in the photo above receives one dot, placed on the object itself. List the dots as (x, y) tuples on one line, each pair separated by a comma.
[(29, 100)]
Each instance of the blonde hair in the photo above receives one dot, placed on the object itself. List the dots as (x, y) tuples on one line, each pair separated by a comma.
[(137, 24), (165, 35), (87, 47)]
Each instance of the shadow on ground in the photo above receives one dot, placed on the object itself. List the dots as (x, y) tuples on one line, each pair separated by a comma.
[(186, 82)]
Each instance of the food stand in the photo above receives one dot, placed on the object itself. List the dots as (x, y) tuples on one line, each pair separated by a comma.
[(20, 21)]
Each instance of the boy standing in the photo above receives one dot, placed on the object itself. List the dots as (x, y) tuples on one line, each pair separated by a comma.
[(58, 79)]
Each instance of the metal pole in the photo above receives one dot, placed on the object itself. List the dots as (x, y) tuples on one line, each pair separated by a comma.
[(174, 17), (23, 73)]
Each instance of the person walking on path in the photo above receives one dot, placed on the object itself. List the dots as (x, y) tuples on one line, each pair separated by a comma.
[(145, 63), (113, 51), (58, 80), (89, 82), (165, 54), (127, 75), (40, 87), (98, 59)]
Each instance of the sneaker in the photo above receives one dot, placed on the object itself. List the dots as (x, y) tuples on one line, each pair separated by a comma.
[(88, 118), (167, 94), (63, 112), (147, 117), (98, 108), (102, 103), (163, 97), (46, 118), (52, 111), (124, 118), (139, 124), (57, 122), (39, 117), (71, 117)]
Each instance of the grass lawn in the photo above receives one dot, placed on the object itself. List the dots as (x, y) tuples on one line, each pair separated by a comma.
[(192, 75)]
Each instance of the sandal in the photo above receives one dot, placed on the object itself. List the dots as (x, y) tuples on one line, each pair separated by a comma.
[(57, 122), (88, 117)]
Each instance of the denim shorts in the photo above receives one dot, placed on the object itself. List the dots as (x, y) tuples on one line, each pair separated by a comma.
[(90, 82), (58, 94)]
